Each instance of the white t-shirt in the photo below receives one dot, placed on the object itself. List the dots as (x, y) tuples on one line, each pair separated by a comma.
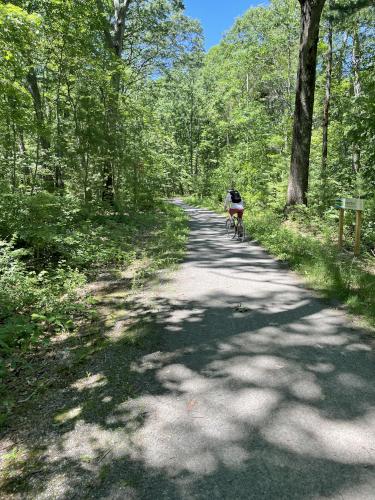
[(229, 204)]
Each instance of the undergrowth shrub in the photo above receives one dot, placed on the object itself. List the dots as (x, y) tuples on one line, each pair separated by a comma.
[(29, 300), (55, 228), (337, 275), (49, 245), (38, 223)]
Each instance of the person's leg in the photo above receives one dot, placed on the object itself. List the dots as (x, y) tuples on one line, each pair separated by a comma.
[(240, 227), (231, 212)]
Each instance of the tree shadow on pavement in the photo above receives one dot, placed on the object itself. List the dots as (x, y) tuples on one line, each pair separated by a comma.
[(266, 406), (212, 395)]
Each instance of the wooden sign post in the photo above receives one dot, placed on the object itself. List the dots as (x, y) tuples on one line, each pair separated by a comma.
[(357, 244), (341, 227), (351, 204)]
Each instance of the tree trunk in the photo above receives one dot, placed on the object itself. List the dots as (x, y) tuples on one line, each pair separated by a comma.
[(326, 104), (33, 87), (191, 143), (114, 36), (33, 180), (14, 158), (311, 11), (43, 139), (356, 59), (59, 180)]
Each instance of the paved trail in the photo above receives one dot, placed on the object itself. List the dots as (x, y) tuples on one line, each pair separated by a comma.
[(275, 400)]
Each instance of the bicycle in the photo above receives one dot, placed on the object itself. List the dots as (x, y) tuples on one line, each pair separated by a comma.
[(235, 229)]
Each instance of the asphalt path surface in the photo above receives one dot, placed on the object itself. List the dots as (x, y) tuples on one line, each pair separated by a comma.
[(257, 390), (264, 392)]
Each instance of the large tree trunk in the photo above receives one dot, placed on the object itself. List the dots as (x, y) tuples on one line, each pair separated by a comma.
[(114, 36), (356, 60), (121, 9), (326, 104), (33, 87), (311, 11), (44, 143), (43, 139)]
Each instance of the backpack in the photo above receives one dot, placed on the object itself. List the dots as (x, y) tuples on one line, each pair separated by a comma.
[(235, 196)]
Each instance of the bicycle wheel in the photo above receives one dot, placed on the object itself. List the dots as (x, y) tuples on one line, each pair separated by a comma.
[(241, 231), (231, 230)]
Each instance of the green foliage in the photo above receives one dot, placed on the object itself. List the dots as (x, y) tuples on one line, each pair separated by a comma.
[(32, 301), (74, 115), (61, 244), (228, 116), (17, 40)]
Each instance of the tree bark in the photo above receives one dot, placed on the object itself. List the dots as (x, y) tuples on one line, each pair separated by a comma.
[(356, 60), (326, 104), (191, 142), (114, 36), (59, 180), (121, 10), (311, 11), (33, 87)]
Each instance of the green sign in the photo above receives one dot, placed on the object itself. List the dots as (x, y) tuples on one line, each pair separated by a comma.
[(350, 203)]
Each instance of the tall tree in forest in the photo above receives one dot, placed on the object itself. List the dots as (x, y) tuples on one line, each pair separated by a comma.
[(326, 103), (114, 31), (136, 33), (356, 61), (311, 11)]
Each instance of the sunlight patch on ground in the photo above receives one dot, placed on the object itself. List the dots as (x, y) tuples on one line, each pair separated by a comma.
[(303, 430), (197, 427), (67, 415), (90, 381), (90, 440)]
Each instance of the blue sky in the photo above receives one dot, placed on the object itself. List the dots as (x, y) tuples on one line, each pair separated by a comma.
[(217, 16)]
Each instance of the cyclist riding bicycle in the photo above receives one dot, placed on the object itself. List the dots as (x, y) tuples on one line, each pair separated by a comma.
[(234, 204)]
